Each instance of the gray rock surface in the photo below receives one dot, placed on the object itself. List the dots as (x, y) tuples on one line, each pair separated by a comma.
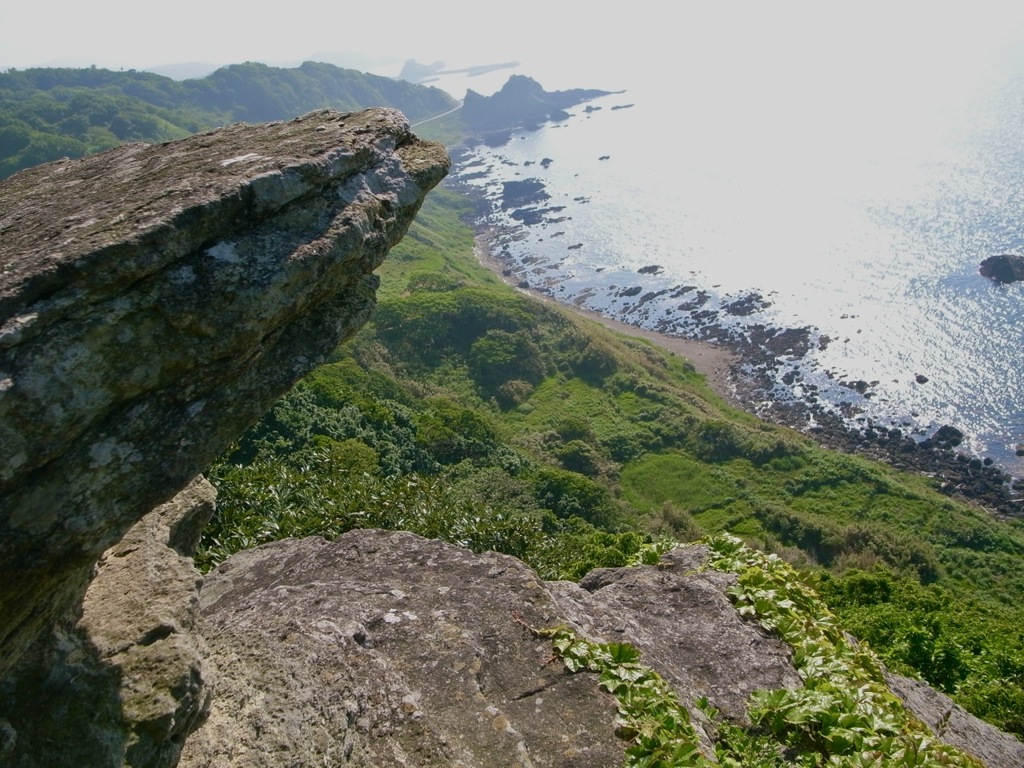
[(954, 725), (685, 626), (385, 649), (128, 683), (1004, 268), (154, 301)]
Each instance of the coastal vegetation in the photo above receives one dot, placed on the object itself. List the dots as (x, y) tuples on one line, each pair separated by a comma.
[(468, 411), (843, 714)]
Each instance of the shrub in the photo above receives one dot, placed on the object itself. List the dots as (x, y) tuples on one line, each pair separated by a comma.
[(513, 392), (570, 494), (578, 456)]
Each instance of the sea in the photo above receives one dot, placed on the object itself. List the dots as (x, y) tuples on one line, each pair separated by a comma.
[(851, 194)]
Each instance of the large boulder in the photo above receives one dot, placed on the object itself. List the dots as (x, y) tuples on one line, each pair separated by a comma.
[(384, 648), (154, 301), (389, 649), (127, 682)]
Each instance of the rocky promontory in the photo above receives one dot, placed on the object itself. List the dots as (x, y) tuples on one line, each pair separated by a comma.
[(521, 102), (154, 301)]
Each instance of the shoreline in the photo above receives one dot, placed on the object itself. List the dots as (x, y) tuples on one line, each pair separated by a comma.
[(970, 480), (715, 362)]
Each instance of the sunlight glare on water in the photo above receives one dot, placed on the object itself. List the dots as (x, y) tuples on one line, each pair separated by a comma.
[(857, 195)]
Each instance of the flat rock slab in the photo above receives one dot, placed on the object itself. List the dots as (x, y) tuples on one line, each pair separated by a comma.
[(384, 649)]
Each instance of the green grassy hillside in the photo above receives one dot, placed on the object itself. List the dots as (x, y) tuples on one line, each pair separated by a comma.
[(474, 413), (46, 114)]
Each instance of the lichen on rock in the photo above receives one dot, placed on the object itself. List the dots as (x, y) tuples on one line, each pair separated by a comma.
[(154, 301)]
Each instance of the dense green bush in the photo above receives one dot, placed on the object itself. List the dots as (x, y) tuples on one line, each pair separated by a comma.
[(273, 499), (570, 494), (450, 433), (964, 645)]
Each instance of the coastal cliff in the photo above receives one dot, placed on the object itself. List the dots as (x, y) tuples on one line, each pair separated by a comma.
[(155, 300)]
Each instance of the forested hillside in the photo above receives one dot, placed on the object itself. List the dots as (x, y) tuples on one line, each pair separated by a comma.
[(46, 114), (470, 412)]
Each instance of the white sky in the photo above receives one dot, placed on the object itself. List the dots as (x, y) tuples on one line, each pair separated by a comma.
[(715, 39), (125, 33)]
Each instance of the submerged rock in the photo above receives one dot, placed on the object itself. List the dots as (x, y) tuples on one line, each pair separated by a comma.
[(1005, 268)]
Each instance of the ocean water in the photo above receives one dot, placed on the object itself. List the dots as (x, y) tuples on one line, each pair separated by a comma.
[(852, 201)]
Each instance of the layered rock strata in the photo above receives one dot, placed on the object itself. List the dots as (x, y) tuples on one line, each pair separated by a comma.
[(154, 301), (387, 649)]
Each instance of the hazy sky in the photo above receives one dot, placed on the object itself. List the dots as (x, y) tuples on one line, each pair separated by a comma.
[(711, 38), (133, 34)]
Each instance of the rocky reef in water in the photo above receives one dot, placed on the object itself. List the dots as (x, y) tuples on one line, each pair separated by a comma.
[(1004, 268)]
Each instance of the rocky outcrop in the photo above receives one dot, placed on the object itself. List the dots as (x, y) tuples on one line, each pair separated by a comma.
[(390, 649), (385, 648), (1005, 268), (129, 681), (521, 102), (154, 301), (952, 724)]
